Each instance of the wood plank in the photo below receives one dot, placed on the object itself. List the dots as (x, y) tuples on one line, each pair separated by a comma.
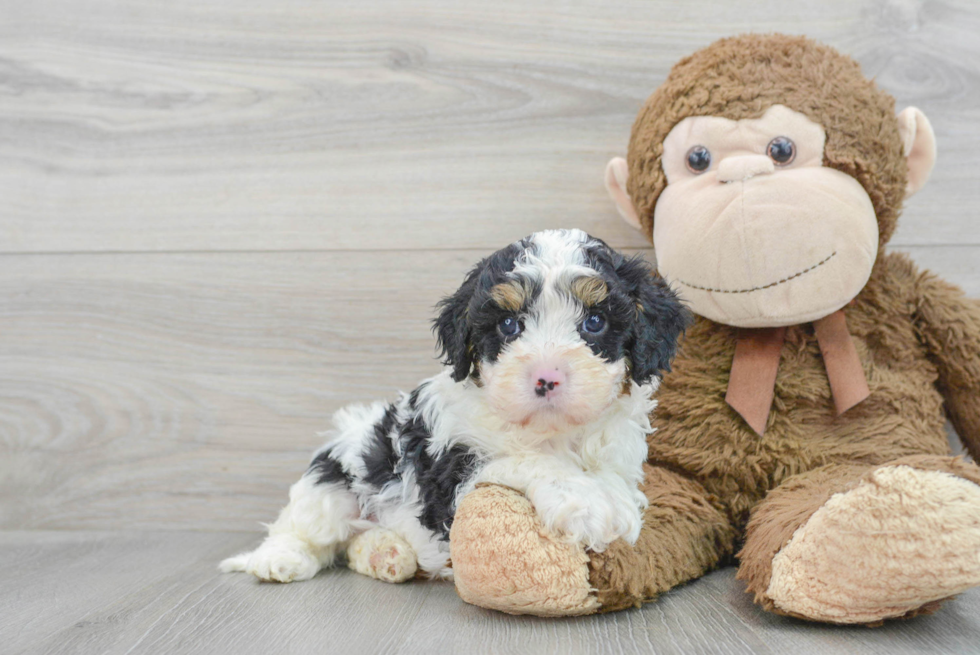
[(160, 592), (953, 629), (175, 601), (185, 391), (684, 621), (62, 579), (295, 125)]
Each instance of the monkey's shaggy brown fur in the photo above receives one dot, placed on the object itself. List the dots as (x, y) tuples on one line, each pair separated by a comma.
[(714, 485), (918, 339)]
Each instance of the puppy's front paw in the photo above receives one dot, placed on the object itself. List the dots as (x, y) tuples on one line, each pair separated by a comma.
[(590, 517), (283, 559), (627, 522)]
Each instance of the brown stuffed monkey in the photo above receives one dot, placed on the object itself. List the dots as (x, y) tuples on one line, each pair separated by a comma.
[(803, 425)]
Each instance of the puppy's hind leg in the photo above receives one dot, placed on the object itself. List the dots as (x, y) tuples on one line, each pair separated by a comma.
[(382, 554), (317, 523)]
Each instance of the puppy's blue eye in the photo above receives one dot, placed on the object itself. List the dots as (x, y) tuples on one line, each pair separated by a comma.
[(594, 324), (509, 326)]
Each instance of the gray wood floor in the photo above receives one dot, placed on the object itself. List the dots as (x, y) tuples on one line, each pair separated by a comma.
[(220, 221), (158, 592)]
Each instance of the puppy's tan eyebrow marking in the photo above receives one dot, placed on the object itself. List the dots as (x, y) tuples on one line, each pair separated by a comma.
[(591, 290), (509, 295)]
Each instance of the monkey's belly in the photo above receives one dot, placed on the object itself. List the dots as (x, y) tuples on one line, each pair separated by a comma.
[(699, 434)]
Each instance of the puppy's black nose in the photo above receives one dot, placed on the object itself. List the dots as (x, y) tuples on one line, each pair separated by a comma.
[(549, 378), (544, 386)]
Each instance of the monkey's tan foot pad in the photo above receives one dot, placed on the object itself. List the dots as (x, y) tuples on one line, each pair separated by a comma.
[(504, 558), (382, 554), (900, 539)]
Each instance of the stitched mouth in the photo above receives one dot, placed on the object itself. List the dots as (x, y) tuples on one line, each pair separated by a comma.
[(765, 286)]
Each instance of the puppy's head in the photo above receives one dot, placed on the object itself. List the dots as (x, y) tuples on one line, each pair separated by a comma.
[(554, 326)]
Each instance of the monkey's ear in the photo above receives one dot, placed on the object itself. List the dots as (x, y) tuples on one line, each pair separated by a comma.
[(919, 147), (452, 327), (661, 318), (617, 172)]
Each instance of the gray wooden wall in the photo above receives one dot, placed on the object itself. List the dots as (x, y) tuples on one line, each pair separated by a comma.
[(221, 221)]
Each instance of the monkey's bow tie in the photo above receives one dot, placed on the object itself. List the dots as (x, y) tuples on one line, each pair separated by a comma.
[(753, 377)]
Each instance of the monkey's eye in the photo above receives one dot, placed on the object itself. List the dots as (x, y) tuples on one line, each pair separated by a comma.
[(594, 324), (509, 326), (698, 159), (781, 150)]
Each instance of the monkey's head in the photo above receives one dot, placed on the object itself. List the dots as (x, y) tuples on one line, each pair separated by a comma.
[(769, 172)]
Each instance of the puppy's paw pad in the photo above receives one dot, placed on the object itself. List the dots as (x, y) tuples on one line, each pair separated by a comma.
[(382, 554)]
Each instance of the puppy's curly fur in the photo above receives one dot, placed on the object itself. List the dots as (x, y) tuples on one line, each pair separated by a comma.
[(553, 347)]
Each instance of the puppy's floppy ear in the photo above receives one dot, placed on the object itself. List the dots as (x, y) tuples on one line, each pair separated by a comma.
[(452, 326), (660, 319)]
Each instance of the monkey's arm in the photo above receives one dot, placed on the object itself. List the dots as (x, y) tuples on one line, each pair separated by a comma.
[(949, 325)]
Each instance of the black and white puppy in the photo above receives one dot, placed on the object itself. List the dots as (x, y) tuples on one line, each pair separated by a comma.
[(553, 349)]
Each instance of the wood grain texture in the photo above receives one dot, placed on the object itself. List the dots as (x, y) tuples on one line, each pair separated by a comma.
[(185, 391), (222, 221), (383, 125), (98, 592), (162, 593)]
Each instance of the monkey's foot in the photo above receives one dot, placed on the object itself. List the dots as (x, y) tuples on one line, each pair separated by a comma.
[(893, 545)]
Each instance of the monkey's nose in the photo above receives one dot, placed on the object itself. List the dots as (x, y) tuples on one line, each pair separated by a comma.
[(744, 167)]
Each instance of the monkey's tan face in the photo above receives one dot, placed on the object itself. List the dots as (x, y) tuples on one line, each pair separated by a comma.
[(779, 238)]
